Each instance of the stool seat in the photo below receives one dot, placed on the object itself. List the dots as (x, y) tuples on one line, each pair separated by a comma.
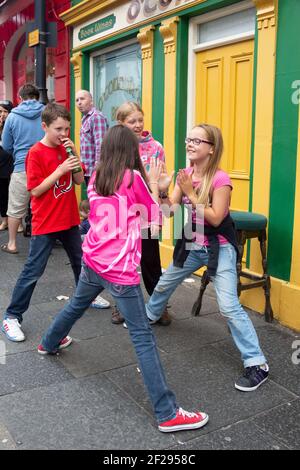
[(249, 221)]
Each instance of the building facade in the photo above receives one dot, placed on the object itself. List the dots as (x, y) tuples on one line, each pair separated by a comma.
[(231, 63), (17, 60)]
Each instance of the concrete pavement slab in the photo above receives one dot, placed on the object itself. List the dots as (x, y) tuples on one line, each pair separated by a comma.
[(239, 436), (88, 413), (29, 370), (95, 355), (283, 422)]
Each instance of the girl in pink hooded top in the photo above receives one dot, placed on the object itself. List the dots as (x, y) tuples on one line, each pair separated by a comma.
[(131, 115)]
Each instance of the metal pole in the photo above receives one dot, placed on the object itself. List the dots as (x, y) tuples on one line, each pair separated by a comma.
[(40, 49)]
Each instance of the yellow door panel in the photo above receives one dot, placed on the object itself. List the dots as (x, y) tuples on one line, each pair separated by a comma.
[(224, 84), (210, 94)]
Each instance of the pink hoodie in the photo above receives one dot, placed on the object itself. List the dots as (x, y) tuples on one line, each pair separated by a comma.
[(112, 246)]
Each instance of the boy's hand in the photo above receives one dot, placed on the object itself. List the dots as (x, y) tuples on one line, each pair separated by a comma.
[(68, 143), (68, 165)]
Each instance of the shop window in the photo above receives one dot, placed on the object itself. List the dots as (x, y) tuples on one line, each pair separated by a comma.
[(225, 27), (116, 78), (25, 69)]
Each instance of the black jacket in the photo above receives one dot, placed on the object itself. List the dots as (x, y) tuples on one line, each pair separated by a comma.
[(6, 164), (226, 229)]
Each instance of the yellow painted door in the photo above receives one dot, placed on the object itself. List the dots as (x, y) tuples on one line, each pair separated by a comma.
[(224, 84)]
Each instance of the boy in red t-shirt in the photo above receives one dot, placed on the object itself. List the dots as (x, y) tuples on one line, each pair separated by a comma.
[(50, 180)]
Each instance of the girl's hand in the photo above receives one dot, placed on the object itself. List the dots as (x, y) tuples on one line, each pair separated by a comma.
[(154, 171), (185, 183), (165, 180), (68, 143)]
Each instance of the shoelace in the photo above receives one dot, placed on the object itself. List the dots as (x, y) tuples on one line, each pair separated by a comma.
[(188, 414)]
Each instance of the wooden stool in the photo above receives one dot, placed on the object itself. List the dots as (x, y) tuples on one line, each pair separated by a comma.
[(248, 225)]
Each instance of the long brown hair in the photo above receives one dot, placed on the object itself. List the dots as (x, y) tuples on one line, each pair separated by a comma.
[(214, 136), (119, 152)]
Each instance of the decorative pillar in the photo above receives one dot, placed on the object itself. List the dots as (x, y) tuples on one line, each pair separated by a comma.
[(76, 61), (168, 30), (265, 88), (145, 37)]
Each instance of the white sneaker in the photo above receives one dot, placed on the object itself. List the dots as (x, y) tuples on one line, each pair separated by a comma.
[(99, 302), (12, 328)]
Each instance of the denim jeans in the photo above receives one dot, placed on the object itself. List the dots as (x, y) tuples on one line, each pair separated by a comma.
[(225, 283), (130, 301), (39, 252)]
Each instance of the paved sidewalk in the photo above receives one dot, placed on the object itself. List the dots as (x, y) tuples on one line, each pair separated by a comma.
[(91, 395)]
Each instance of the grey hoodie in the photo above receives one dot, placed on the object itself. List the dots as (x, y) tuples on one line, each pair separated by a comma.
[(22, 130)]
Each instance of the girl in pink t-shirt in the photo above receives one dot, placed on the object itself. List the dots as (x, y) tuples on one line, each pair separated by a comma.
[(131, 115), (206, 190), (120, 195)]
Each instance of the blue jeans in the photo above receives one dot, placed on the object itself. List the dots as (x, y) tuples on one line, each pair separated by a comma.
[(130, 301), (39, 252), (225, 283)]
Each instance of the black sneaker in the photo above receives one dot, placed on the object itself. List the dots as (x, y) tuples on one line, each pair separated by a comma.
[(253, 377)]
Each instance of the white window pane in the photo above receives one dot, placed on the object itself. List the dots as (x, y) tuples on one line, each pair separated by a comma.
[(221, 28)]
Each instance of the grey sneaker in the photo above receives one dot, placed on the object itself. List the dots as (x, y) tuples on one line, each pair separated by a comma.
[(253, 378)]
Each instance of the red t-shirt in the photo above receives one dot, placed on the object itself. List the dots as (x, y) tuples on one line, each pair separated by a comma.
[(57, 208)]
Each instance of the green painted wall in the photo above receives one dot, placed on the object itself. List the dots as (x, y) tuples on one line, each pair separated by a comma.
[(181, 110), (282, 191)]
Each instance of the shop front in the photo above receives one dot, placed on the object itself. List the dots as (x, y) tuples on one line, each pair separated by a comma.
[(17, 59), (191, 61)]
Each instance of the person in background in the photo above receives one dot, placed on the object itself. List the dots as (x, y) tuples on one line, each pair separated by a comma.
[(93, 128), (23, 128), (6, 166), (84, 211)]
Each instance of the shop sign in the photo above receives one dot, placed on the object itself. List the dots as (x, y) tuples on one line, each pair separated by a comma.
[(149, 8), (133, 12), (97, 27), (34, 38)]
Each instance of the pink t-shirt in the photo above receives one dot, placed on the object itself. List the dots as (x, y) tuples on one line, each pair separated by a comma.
[(221, 178), (112, 246)]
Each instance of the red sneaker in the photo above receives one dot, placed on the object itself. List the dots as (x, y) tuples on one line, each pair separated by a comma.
[(65, 342), (184, 421)]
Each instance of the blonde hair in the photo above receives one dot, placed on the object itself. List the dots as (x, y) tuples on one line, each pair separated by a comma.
[(214, 135), (127, 108)]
